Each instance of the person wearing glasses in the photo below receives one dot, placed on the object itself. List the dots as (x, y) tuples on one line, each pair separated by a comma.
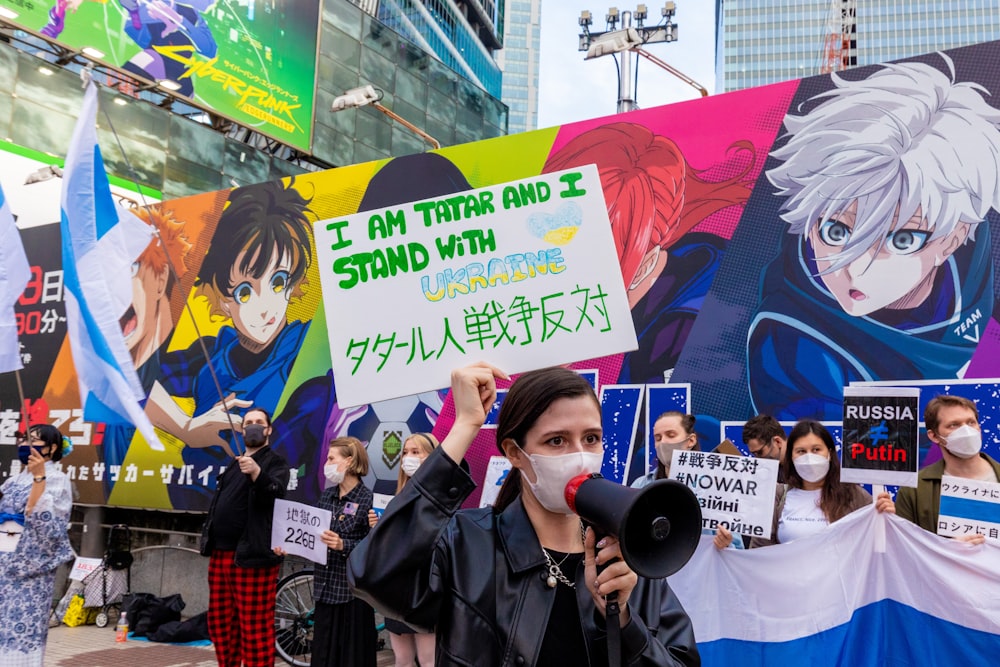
[(517, 583), (765, 439)]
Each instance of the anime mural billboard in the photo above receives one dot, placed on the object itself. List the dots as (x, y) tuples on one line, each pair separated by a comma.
[(253, 61), (775, 244)]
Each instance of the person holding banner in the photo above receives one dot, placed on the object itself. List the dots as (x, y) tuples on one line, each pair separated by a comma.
[(344, 633), (409, 646), (952, 423), (36, 504), (813, 496), (517, 583), (242, 569)]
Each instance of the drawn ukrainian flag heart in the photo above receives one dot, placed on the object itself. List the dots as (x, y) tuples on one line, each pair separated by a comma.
[(557, 228)]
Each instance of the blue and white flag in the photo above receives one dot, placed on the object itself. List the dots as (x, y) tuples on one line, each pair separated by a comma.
[(836, 598), (100, 240), (14, 275)]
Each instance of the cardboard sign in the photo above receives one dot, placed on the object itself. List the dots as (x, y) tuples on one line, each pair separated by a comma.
[(296, 529), (379, 502), (496, 472), (880, 435), (736, 492), (524, 275), (969, 506)]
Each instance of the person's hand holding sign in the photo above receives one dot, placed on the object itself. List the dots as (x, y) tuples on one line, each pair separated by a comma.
[(332, 540)]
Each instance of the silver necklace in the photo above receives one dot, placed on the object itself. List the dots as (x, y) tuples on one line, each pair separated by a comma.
[(555, 572)]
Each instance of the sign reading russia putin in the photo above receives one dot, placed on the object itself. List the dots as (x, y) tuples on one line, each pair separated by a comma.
[(523, 275), (880, 435)]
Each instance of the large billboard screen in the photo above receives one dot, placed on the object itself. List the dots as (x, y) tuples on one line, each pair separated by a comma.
[(253, 61)]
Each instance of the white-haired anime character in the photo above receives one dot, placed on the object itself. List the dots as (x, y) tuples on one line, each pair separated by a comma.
[(886, 272)]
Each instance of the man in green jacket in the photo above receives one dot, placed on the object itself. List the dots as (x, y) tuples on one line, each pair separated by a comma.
[(953, 424)]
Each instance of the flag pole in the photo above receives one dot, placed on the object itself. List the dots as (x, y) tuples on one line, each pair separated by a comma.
[(237, 449)]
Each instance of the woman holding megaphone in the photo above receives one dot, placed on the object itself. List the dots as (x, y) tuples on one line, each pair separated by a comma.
[(521, 583)]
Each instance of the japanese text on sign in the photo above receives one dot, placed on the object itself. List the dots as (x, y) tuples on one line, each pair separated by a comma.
[(296, 529)]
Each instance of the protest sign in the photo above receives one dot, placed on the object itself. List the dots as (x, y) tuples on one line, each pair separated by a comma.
[(496, 472), (880, 435), (82, 567), (969, 506), (379, 502), (296, 529), (734, 491), (522, 274)]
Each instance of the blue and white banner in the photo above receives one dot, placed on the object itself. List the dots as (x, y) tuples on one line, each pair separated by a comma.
[(14, 275), (100, 241), (836, 599)]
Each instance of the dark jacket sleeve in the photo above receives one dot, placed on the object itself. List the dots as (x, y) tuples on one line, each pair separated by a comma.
[(659, 631), (906, 503), (402, 565)]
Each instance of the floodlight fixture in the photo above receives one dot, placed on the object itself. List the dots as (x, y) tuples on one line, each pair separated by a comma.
[(370, 95), (641, 13), (357, 97), (613, 42), (669, 9), (612, 17), (586, 19)]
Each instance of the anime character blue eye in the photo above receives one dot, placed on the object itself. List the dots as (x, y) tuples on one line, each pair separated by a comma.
[(279, 282), (135, 269), (834, 233), (242, 293), (906, 241)]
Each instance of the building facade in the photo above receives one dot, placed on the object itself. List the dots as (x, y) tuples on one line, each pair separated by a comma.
[(765, 41), (519, 62)]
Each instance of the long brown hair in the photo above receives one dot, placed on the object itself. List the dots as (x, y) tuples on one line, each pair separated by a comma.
[(531, 395), (835, 498)]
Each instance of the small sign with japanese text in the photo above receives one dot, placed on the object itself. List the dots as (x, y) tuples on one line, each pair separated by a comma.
[(379, 502), (880, 435), (522, 274), (736, 492), (968, 507), (296, 529)]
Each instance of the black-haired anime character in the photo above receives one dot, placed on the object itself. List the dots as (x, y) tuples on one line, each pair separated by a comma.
[(885, 271), (255, 265)]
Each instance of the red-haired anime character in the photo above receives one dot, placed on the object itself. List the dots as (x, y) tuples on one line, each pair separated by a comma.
[(654, 198)]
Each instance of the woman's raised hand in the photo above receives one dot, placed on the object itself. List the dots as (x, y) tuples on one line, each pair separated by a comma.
[(474, 390)]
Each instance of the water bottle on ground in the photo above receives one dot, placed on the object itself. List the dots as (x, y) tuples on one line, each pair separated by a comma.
[(121, 630)]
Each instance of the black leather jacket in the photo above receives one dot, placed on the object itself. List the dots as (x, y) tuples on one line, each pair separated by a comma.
[(478, 579), (254, 547)]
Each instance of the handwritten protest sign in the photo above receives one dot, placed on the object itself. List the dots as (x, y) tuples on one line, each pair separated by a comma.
[(734, 491), (296, 529), (969, 506), (880, 435), (523, 274)]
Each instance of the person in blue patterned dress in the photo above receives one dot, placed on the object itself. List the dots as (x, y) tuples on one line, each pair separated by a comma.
[(36, 502)]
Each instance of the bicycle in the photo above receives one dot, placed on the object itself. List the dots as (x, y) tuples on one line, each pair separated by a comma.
[(294, 622)]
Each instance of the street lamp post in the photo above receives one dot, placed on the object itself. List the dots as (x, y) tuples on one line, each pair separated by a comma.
[(629, 39)]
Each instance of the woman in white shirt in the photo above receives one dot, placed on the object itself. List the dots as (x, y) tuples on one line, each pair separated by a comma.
[(813, 497)]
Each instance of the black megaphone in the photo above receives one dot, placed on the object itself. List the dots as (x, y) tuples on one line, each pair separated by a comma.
[(658, 526)]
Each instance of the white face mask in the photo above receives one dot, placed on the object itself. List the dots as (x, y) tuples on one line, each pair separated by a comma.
[(333, 474), (811, 467), (552, 473), (665, 450), (410, 464), (964, 442)]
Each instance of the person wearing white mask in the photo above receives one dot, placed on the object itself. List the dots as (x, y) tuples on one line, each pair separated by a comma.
[(671, 431), (813, 496), (344, 632), (408, 645), (516, 583), (952, 423)]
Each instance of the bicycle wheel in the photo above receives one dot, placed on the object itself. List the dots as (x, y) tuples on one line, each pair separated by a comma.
[(293, 618)]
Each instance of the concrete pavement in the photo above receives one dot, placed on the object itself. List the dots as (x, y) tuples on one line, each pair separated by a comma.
[(91, 646)]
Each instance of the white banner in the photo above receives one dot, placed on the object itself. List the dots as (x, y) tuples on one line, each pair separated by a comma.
[(734, 491), (524, 275), (968, 507), (296, 529)]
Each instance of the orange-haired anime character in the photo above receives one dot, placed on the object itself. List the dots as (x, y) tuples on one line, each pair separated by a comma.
[(654, 198)]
